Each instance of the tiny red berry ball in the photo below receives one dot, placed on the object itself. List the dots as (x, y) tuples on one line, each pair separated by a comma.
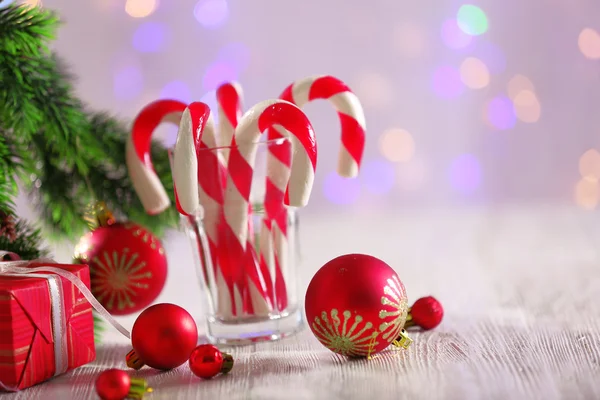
[(207, 361), (427, 312), (113, 384)]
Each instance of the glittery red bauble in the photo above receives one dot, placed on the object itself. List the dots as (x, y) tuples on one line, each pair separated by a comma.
[(128, 266), (427, 312), (356, 305), (113, 384), (164, 336), (206, 361)]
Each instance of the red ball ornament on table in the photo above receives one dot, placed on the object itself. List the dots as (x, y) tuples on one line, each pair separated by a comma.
[(128, 265), (163, 337), (207, 361), (427, 313), (115, 384), (356, 305)]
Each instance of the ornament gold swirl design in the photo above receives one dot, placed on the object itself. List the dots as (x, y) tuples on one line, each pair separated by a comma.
[(117, 277), (348, 336), (395, 297)]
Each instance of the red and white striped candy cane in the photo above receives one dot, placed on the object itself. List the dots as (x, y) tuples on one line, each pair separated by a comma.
[(294, 124), (197, 173), (229, 101), (352, 120), (148, 187), (350, 113)]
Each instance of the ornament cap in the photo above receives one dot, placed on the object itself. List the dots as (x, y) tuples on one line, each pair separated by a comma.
[(227, 363), (99, 214), (403, 340), (139, 387), (133, 360)]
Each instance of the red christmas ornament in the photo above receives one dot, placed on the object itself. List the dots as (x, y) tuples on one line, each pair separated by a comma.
[(163, 337), (356, 305), (128, 266), (207, 361), (427, 313), (115, 384)]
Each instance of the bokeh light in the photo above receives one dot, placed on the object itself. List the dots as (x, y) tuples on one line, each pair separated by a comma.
[(150, 37), (235, 53), (474, 73), (587, 194), (176, 90), (140, 8), (589, 165), (128, 83), (447, 83), (472, 20), (412, 175), (491, 55), (453, 36), (340, 190), (31, 3), (499, 113), (374, 90), (217, 73), (378, 176), (465, 173), (397, 145), (589, 43), (517, 84), (211, 13), (409, 39), (527, 106)]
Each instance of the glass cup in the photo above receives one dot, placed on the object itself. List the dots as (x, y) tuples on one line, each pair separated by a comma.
[(250, 285)]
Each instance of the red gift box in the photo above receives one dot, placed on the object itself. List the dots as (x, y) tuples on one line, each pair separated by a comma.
[(46, 325)]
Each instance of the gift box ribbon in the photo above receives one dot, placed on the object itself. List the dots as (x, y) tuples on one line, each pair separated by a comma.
[(18, 267)]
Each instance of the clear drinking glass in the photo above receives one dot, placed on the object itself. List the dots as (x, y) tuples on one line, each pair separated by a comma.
[(250, 291)]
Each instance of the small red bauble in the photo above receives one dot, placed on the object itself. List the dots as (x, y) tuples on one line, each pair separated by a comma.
[(113, 384), (356, 305), (128, 266), (427, 313), (207, 361), (163, 337)]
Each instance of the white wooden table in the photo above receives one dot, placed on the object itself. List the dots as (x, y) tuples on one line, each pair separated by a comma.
[(520, 287)]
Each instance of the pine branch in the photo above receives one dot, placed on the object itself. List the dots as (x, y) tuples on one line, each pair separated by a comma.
[(8, 184), (27, 242), (65, 156), (36, 96), (26, 30)]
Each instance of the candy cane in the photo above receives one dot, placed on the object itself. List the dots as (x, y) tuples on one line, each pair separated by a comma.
[(294, 124), (350, 113), (352, 122), (145, 181), (197, 173), (229, 100)]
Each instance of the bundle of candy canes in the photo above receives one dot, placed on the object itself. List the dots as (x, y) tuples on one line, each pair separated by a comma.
[(217, 183)]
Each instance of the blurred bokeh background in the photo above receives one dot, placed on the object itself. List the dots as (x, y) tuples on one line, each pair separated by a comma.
[(475, 104), (482, 102)]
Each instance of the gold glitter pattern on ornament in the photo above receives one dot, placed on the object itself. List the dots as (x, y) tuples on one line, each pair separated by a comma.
[(118, 277), (395, 297), (349, 336), (146, 237)]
